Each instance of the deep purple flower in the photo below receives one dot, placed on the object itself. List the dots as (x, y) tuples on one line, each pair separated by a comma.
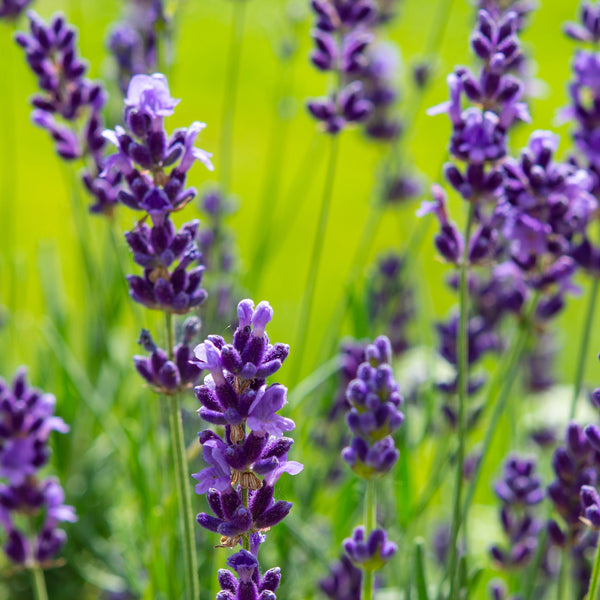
[(164, 375), (69, 105), (248, 584), (166, 285), (370, 552)]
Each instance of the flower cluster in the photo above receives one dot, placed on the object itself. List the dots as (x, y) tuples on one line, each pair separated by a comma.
[(519, 490), (235, 395), (342, 37), (153, 168), (69, 106), (167, 376), (248, 585), (369, 552), (375, 397), (26, 421), (134, 41)]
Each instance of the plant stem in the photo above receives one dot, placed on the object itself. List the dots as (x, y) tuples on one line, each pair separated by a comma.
[(562, 572), (39, 583), (246, 536), (463, 380), (230, 96), (585, 343), (593, 591), (184, 497), (370, 523), (315, 260)]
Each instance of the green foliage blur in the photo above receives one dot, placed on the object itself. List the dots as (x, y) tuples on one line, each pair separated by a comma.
[(65, 312)]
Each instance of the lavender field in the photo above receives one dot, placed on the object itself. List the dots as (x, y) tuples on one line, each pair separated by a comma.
[(297, 299)]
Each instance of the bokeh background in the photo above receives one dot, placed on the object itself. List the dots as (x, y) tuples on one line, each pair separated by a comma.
[(115, 461)]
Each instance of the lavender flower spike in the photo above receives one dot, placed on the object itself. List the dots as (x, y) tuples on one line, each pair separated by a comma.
[(248, 585), (12, 9), (26, 421)]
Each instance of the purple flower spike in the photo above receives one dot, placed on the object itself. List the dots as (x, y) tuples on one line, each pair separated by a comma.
[(249, 585), (371, 553), (26, 421)]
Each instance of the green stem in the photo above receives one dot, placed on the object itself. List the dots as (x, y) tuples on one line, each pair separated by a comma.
[(315, 260), (230, 97), (370, 524), (593, 591), (463, 380), (184, 496), (562, 572), (39, 583), (585, 343), (245, 537)]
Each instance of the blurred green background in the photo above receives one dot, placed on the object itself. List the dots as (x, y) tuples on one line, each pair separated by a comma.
[(50, 319)]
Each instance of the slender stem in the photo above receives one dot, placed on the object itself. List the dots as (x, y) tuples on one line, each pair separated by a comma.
[(562, 576), (184, 497), (585, 343), (463, 380), (245, 537), (230, 96), (593, 591), (315, 260), (540, 553), (370, 523), (39, 583)]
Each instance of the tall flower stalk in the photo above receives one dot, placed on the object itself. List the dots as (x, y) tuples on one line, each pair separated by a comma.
[(154, 167), (245, 463), (374, 396), (479, 141), (26, 421), (584, 93)]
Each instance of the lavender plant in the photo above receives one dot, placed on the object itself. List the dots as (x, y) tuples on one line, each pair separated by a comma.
[(154, 167), (583, 112), (31, 507), (374, 416), (248, 461), (70, 105)]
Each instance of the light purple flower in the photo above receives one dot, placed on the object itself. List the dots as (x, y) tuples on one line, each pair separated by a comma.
[(263, 417)]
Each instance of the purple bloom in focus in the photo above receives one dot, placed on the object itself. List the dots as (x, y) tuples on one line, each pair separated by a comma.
[(248, 584), (591, 506)]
